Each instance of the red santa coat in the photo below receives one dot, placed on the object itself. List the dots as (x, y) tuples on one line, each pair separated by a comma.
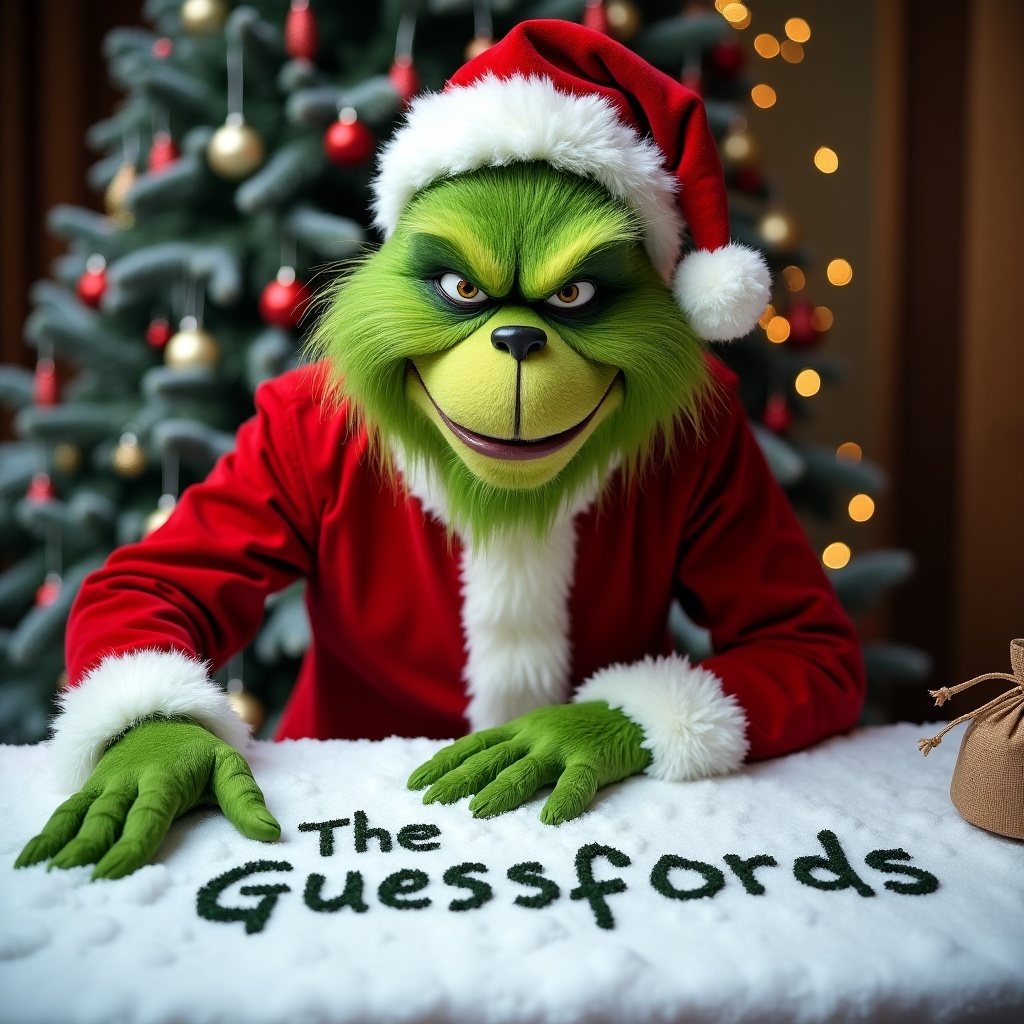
[(395, 602)]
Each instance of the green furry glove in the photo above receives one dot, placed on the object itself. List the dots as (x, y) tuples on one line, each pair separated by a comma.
[(154, 773), (580, 746)]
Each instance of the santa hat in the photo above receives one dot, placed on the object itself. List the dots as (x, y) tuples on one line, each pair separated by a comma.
[(557, 92)]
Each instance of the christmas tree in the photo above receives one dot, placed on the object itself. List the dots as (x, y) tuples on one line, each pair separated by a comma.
[(235, 178)]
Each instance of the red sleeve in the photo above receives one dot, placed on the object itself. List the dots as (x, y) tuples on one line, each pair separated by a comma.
[(198, 583), (784, 647)]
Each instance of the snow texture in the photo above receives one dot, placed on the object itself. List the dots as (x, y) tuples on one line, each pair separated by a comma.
[(136, 950)]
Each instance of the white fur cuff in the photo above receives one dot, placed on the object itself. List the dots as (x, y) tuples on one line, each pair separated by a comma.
[(723, 292), (125, 689), (691, 726)]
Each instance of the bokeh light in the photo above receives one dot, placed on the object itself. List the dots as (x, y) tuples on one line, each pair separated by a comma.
[(839, 272), (850, 451), (798, 30), (825, 160), (766, 45), (836, 555), (807, 383), (763, 96), (861, 508), (793, 278)]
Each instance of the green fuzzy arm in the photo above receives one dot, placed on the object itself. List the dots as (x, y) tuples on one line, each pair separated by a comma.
[(580, 747), (152, 775)]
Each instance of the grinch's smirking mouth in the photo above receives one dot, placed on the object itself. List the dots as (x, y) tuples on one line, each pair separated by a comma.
[(514, 449)]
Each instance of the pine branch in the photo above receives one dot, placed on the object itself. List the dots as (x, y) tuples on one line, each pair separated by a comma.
[(195, 444), (42, 628), (289, 171), (149, 269), (76, 224), (663, 42), (80, 423), (163, 190), (842, 474), (334, 237), (19, 583), (787, 465), (86, 343), (865, 578), (375, 100), (17, 389), (19, 464), (263, 44), (268, 356)]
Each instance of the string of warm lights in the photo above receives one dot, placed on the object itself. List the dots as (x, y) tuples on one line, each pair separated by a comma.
[(778, 230)]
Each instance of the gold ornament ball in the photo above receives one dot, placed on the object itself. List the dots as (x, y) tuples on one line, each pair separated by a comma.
[(194, 347), (249, 709), (740, 149), (203, 17), (477, 46), (235, 151), (156, 519), (779, 231), (67, 457), (129, 458), (117, 191), (623, 19)]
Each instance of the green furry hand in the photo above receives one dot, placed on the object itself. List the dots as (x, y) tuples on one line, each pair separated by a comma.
[(580, 746), (154, 773)]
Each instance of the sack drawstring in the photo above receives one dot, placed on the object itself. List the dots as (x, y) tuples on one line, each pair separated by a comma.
[(946, 692)]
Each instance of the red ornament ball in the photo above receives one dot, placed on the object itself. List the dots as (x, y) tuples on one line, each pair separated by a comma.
[(284, 300), (750, 180), (162, 153), (91, 286), (777, 416), (45, 386), (40, 489), (405, 78), (49, 591), (158, 333), (727, 59), (596, 17), (348, 142), (162, 48), (301, 36), (802, 332)]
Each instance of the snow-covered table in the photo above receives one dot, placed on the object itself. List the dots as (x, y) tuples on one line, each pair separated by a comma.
[(720, 902)]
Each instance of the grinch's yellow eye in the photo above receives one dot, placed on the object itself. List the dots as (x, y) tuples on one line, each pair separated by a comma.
[(573, 295), (460, 291)]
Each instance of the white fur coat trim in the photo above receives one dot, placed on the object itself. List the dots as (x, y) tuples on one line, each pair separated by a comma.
[(125, 689), (496, 122), (691, 726)]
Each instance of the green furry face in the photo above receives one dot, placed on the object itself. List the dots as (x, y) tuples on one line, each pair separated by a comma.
[(426, 339)]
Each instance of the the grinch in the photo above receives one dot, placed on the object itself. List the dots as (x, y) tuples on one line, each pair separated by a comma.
[(509, 456)]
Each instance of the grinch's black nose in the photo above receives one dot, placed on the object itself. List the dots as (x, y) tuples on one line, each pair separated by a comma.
[(517, 341)]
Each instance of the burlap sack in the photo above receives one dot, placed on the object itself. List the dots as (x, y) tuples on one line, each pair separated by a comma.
[(988, 780)]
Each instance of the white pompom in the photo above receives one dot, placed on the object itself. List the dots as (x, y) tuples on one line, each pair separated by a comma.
[(723, 292)]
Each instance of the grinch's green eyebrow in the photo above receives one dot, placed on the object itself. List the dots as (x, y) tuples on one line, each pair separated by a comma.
[(609, 262), (430, 254)]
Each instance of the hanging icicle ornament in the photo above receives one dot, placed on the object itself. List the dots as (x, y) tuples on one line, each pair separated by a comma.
[(403, 74), (158, 333), (284, 301), (348, 142), (596, 17), (40, 489), (301, 35), (777, 416), (162, 152), (49, 590), (203, 17), (191, 346), (45, 386), (93, 283), (236, 149), (129, 457)]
